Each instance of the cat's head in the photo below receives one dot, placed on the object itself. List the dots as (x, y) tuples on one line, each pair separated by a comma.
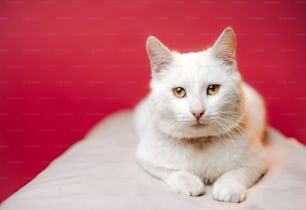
[(199, 93)]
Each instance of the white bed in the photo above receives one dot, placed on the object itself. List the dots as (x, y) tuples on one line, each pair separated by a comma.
[(99, 172)]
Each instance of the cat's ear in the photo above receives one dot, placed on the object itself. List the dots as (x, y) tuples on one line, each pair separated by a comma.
[(159, 55), (225, 47)]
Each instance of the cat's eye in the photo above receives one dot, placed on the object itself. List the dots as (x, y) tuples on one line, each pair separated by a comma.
[(213, 89), (179, 92)]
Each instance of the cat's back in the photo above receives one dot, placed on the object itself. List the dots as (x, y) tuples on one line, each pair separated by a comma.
[(142, 114), (255, 108)]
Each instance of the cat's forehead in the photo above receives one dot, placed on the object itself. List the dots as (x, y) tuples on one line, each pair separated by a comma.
[(196, 64), (190, 58)]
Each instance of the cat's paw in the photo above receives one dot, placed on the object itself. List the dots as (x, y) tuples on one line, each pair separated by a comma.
[(229, 192), (185, 183)]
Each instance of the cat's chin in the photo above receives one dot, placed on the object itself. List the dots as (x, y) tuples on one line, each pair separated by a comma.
[(198, 130), (186, 131)]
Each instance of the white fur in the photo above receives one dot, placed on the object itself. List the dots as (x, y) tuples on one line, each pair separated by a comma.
[(185, 156)]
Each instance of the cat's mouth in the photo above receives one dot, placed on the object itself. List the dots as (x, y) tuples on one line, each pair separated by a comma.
[(198, 125)]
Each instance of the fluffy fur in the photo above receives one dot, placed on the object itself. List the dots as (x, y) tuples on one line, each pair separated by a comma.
[(223, 144)]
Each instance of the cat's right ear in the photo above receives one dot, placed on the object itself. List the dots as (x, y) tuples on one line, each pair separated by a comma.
[(225, 47), (159, 55)]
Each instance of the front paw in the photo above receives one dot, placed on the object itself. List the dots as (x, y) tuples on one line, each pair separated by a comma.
[(229, 192), (185, 183)]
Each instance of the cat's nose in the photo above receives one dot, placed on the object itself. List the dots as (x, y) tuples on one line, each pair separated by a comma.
[(198, 114)]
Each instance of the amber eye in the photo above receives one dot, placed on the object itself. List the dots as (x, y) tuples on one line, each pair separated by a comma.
[(213, 89), (179, 92)]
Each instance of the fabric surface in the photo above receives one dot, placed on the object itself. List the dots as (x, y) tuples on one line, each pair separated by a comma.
[(100, 172)]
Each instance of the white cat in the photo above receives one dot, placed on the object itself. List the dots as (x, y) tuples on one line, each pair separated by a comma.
[(201, 123)]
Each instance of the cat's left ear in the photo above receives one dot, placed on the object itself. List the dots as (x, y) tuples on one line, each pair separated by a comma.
[(225, 47)]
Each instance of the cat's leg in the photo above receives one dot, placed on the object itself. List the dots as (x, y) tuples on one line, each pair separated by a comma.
[(178, 180), (185, 183), (232, 185)]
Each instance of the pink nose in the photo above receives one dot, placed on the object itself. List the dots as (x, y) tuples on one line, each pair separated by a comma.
[(198, 114)]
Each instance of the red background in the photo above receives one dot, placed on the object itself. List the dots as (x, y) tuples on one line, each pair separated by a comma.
[(64, 65)]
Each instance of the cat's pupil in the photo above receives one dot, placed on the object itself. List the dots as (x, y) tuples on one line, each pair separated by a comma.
[(211, 87)]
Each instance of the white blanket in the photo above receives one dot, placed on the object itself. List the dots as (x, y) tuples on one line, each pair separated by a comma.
[(100, 172)]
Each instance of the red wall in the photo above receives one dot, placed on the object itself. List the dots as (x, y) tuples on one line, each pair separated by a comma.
[(64, 65)]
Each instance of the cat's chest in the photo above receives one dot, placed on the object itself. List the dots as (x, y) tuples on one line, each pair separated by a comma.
[(208, 161)]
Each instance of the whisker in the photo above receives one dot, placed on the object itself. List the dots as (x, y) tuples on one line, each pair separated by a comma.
[(227, 128)]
